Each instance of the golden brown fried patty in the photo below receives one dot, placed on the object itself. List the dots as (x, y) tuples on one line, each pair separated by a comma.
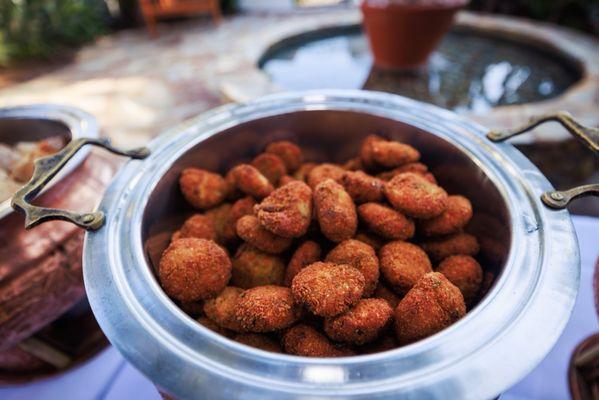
[(221, 308), (403, 264), (430, 306), (361, 324), (328, 289), (271, 166), (194, 269), (303, 340), (252, 267), (250, 230), (322, 172), (307, 253), (360, 256), (201, 188), (287, 212), (289, 152), (266, 309), (450, 245), (455, 217), (198, 226), (362, 187), (386, 222), (335, 211), (251, 182), (415, 196), (465, 273)]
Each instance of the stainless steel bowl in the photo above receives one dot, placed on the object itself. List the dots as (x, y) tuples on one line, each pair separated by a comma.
[(531, 248), (37, 122)]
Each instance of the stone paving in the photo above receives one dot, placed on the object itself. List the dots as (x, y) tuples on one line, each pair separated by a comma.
[(137, 87)]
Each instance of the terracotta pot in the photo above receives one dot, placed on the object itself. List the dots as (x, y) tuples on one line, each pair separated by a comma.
[(402, 35)]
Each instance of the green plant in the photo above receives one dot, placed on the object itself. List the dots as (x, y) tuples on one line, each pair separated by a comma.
[(37, 28)]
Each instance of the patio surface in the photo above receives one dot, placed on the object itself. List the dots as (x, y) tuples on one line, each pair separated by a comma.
[(137, 87)]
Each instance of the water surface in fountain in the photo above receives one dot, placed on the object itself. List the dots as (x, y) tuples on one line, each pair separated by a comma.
[(471, 70)]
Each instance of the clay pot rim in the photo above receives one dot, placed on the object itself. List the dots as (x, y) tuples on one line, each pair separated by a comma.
[(402, 7)]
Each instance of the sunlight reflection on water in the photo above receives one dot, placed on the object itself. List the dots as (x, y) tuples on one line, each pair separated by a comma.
[(469, 70)]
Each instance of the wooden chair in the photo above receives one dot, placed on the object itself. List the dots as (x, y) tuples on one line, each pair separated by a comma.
[(155, 9)]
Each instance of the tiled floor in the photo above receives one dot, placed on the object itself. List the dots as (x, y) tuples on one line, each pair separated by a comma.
[(110, 377)]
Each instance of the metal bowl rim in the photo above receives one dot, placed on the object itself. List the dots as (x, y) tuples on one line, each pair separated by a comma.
[(79, 123), (526, 184)]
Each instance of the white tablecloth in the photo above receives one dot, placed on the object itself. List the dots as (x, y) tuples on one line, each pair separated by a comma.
[(110, 377)]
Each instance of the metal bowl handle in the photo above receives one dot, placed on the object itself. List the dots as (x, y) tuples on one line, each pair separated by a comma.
[(589, 137), (45, 169)]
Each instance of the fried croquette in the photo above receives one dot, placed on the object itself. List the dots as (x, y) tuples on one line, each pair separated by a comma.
[(303, 340), (221, 308), (335, 211), (221, 217), (328, 289), (307, 253), (197, 226), (233, 193), (266, 309), (362, 212), (386, 222), (353, 164), (322, 172), (432, 305), (417, 168), (362, 187), (360, 256), (455, 217), (302, 173), (383, 292), (366, 153), (271, 166), (202, 189), (289, 152), (403, 264), (390, 154), (413, 195), (361, 324), (259, 341), (287, 212), (286, 179), (251, 182), (370, 239), (243, 206), (465, 273), (193, 269), (252, 267), (250, 230), (451, 245)]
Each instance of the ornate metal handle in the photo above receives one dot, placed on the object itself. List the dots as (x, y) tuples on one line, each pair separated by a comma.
[(589, 137), (45, 169)]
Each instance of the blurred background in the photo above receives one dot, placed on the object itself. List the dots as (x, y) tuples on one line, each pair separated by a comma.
[(48, 31)]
